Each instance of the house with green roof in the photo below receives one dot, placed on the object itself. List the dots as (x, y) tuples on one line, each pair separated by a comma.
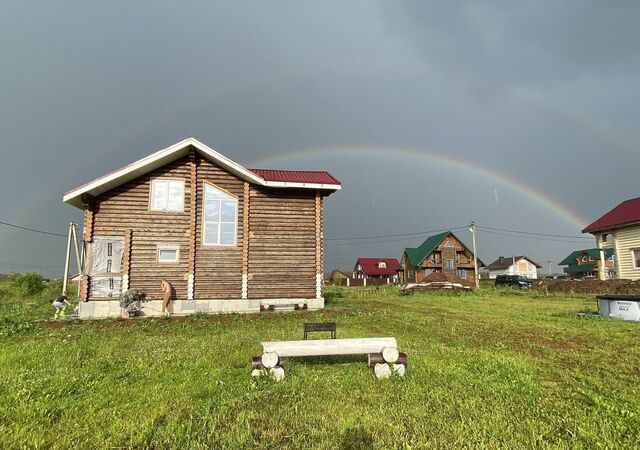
[(586, 263), (442, 255)]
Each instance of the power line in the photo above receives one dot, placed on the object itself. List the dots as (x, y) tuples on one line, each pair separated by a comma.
[(393, 235), (534, 234), (33, 230), (538, 238), (333, 244)]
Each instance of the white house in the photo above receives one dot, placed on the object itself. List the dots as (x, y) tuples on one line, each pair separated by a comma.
[(514, 265), (618, 231)]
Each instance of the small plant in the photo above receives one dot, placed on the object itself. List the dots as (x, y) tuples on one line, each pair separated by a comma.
[(131, 301)]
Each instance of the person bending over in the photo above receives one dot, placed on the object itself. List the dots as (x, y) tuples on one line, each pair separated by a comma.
[(60, 304)]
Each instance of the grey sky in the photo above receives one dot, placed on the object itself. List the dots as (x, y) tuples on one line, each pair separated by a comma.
[(545, 93)]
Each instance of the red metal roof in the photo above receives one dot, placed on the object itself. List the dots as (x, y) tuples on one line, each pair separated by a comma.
[(626, 213), (296, 176), (370, 266)]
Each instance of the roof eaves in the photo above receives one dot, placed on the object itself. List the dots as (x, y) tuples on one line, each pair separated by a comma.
[(171, 153)]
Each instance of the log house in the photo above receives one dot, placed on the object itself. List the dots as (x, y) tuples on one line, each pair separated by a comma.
[(227, 238)]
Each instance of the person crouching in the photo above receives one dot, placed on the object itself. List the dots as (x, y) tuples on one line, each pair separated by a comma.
[(60, 304)]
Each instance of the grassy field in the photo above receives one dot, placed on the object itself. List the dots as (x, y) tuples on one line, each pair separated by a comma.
[(486, 369)]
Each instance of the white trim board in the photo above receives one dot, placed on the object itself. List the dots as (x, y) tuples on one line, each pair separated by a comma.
[(168, 155)]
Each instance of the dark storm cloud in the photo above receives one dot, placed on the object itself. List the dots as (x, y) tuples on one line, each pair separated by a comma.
[(545, 92), (532, 42)]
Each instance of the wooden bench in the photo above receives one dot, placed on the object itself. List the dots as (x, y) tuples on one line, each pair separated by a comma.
[(317, 327), (382, 352)]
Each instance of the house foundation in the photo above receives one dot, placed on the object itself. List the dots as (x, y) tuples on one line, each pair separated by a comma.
[(105, 309)]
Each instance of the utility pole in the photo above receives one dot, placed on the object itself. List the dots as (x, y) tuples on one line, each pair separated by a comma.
[(66, 260), (472, 228), (72, 236)]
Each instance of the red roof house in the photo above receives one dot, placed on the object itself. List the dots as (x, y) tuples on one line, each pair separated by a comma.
[(376, 268), (626, 213), (618, 232)]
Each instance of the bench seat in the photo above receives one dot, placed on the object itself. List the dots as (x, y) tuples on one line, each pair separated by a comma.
[(327, 347)]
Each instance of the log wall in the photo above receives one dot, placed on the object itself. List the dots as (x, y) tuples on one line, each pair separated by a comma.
[(280, 258), (127, 207), (218, 273), (282, 244)]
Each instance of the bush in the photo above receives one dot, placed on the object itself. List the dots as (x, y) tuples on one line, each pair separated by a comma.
[(29, 283)]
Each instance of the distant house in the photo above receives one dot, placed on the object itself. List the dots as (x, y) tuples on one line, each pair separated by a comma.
[(619, 231), (514, 265), (586, 263), (338, 277), (377, 268), (443, 253)]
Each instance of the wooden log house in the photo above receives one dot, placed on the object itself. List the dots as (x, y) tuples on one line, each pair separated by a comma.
[(227, 238), (440, 257)]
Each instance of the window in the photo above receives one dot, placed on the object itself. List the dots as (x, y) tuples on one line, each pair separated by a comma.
[(457, 257), (167, 195), (585, 258), (382, 265), (449, 263), (428, 272), (220, 217), (636, 258), (434, 258), (449, 244), (461, 273), (604, 237), (168, 253)]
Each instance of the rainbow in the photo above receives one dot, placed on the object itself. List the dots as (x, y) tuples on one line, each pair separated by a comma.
[(448, 162), (337, 152)]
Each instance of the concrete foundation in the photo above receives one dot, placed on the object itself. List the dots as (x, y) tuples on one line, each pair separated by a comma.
[(103, 309)]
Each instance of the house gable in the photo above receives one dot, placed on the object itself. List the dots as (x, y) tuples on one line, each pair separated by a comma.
[(505, 262), (268, 178), (576, 256), (417, 256)]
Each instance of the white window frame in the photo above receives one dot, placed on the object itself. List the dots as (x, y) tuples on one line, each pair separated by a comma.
[(167, 246), (463, 271), (204, 220), (446, 262), (382, 265), (155, 181), (633, 258)]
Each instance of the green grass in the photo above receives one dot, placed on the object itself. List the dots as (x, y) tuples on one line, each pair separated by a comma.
[(486, 369)]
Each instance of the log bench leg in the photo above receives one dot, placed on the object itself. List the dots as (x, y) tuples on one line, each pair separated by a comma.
[(260, 370)]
